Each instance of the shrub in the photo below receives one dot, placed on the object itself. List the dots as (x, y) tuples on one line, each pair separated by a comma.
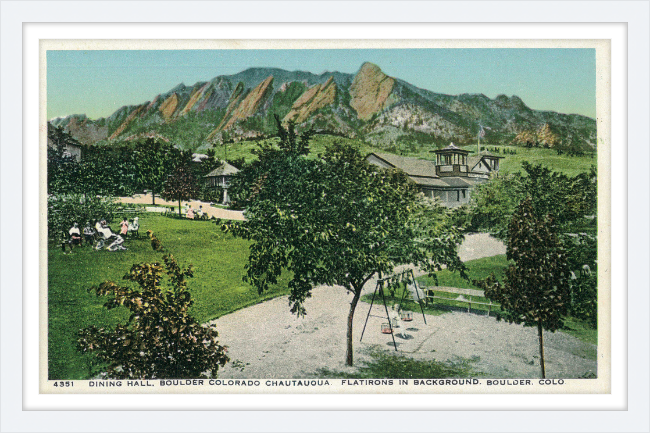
[(160, 339)]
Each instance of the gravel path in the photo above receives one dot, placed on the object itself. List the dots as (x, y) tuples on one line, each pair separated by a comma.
[(267, 341), (209, 210)]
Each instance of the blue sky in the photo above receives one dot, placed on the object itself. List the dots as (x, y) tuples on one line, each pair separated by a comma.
[(97, 83)]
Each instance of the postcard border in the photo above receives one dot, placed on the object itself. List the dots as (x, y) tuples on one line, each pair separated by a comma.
[(11, 195)]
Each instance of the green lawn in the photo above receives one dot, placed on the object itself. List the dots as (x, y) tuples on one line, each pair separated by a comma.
[(217, 287), (580, 330), (477, 270)]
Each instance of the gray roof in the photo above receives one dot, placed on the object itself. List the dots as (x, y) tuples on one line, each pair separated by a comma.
[(410, 166), (423, 172), (429, 181), (224, 170), (475, 159), (450, 148), (491, 155), (458, 182), (444, 182)]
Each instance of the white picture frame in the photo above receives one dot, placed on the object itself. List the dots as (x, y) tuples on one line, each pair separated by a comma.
[(624, 409)]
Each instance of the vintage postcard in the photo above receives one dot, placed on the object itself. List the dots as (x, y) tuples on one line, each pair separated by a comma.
[(325, 216)]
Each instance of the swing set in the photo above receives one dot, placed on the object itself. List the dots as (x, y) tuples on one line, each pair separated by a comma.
[(405, 280)]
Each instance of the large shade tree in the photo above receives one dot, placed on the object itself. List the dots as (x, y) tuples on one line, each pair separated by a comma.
[(536, 287), (334, 220)]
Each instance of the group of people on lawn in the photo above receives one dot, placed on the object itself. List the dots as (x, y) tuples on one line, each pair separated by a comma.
[(190, 213), (103, 234)]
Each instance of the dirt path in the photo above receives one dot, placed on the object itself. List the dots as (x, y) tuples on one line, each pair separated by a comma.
[(209, 210), (267, 341)]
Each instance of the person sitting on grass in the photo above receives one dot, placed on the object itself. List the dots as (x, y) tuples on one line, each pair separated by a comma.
[(89, 233), (190, 213), (104, 232), (199, 213), (75, 236)]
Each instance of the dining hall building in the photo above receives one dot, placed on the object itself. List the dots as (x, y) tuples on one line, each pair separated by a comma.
[(449, 178)]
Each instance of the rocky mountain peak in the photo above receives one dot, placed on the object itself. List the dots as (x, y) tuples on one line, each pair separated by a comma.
[(369, 68), (371, 91), (312, 100)]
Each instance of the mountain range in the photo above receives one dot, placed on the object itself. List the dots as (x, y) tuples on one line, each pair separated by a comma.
[(368, 105)]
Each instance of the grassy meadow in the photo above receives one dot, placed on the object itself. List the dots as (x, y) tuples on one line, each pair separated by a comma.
[(570, 165), (217, 287)]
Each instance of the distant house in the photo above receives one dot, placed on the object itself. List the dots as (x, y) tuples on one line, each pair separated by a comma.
[(449, 178), (70, 150), (220, 178)]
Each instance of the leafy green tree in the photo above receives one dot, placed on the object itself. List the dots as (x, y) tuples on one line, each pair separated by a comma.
[(102, 170), (153, 161), (493, 203), (290, 141), (107, 170), (536, 287), (161, 339), (334, 220), (570, 200), (180, 185)]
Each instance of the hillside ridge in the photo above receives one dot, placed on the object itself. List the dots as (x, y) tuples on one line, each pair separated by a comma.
[(370, 105)]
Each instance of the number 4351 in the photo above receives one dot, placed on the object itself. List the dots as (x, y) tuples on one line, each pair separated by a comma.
[(65, 384)]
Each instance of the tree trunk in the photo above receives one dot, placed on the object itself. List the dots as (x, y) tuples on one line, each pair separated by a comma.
[(353, 305), (153, 196), (541, 347), (179, 209)]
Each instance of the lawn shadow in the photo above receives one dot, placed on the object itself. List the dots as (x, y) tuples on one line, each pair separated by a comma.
[(391, 365)]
